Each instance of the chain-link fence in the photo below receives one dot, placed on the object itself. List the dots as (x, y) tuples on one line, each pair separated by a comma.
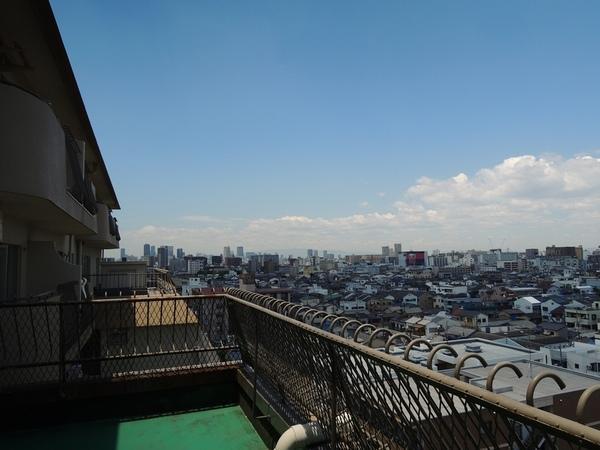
[(364, 398), (361, 397), (65, 342)]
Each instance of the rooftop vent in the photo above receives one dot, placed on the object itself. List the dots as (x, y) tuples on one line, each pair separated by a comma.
[(473, 348)]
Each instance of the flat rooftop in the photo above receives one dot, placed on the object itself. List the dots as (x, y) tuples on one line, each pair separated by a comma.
[(222, 428), (507, 383)]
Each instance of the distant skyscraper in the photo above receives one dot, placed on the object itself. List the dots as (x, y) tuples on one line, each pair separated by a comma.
[(180, 253), (316, 253), (170, 249), (385, 251), (163, 257), (226, 252), (146, 249), (309, 253), (153, 250), (123, 253), (325, 254), (239, 252), (397, 249), (531, 253)]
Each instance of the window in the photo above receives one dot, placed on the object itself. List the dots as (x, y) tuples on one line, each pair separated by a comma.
[(576, 366), (9, 272)]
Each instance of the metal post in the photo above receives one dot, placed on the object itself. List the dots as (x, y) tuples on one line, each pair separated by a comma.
[(61, 343), (333, 390), (255, 363)]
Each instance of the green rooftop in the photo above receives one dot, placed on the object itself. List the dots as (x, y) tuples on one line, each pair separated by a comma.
[(220, 429)]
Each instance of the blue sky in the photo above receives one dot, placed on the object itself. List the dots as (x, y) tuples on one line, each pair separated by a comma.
[(220, 121)]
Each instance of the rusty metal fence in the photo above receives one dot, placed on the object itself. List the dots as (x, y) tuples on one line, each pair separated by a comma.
[(50, 343), (362, 397), (368, 399)]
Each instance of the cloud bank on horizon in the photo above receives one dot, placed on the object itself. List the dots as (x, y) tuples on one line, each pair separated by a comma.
[(525, 201)]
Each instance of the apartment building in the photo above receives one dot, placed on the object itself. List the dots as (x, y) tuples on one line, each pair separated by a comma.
[(56, 196), (583, 318)]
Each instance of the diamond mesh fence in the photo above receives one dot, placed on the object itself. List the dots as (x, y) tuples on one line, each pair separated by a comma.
[(66, 342), (367, 399), (361, 397)]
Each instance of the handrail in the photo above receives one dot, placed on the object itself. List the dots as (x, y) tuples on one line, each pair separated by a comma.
[(503, 405)]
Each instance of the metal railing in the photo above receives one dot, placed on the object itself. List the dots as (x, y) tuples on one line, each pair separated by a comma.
[(81, 186), (365, 398), (65, 342), (129, 283), (362, 397)]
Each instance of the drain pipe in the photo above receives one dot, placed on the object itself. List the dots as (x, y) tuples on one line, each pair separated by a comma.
[(301, 436)]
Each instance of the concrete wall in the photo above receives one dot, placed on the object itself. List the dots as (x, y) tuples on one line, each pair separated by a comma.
[(46, 270), (33, 162)]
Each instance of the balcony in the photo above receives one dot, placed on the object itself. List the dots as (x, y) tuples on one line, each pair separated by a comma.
[(41, 171), (127, 278), (280, 363), (108, 230)]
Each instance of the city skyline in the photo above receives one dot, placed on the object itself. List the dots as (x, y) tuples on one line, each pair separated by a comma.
[(444, 125)]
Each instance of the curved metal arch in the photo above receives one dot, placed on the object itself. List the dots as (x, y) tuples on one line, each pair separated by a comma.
[(375, 332), (311, 311), (393, 337), (269, 303), (292, 313), (286, 308), (361, 328), (332, 324), (489, 381), (583, 400), (461, 361), (414, 342), (324, 319), (281, 305), (539, 377), (347, 324), (264, 301), (312, 320), (276, 303), (437, 348), (302, 309), (306, 313)]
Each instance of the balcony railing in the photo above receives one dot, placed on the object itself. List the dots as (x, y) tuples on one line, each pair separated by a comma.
[(365, 398), (130, 283), (67, 342), (361, 397)]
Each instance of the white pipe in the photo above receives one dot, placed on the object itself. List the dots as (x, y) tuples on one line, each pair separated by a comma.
[(301, 436)]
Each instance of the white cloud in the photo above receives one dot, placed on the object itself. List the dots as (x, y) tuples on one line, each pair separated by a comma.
[(364, 204), (526, 200), (381, 194)]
